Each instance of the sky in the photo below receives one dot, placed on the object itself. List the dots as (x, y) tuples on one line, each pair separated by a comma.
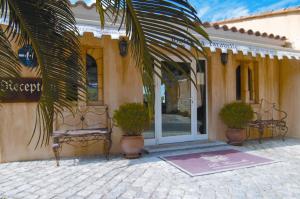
[(216, 10)]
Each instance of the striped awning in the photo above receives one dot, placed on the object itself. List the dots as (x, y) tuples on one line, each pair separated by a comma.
[(235, 46), (253, 49)]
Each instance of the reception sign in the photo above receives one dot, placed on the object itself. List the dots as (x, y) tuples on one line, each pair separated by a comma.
[(20, 90)]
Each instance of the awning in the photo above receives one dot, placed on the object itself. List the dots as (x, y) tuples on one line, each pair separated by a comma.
[(254, 50), (224, 45), (98, 32)]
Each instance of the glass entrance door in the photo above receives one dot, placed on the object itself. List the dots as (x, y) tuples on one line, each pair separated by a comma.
[(180, 106), (176, 102), (201, 98)]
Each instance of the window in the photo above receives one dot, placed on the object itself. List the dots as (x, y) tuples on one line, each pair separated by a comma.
[(238, 83), (246, 82), (250, 85), (91, 78)]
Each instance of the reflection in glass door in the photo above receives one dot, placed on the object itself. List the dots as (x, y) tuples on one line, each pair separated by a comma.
[(180, 107), (176, 101), (149, 133), (201, 98)]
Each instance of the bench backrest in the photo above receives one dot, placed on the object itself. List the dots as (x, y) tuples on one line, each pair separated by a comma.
[(270, 111), (85, 117)]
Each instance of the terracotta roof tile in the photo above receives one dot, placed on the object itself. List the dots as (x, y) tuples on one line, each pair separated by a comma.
[(82, 3), (277, 37), (206, 25), (257, 33), (243, 31), (234, 29), (250, 32), (225, 28), (216, 25)]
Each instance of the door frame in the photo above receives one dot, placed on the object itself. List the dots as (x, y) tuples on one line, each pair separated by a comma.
[(158, 139)]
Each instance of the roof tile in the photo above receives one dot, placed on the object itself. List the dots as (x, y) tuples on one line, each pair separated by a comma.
[(205, 24), (82, 3)]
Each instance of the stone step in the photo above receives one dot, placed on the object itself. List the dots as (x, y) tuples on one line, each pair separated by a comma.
[(183, 146)]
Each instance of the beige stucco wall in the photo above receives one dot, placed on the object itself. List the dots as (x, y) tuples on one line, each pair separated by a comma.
[(290, 94), (121, 83), (287, 24), (222, 84)]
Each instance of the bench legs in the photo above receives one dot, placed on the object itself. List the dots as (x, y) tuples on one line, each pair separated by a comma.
[(55, 148), (261, 134), (280, 131), (284, 130), (108, 144)]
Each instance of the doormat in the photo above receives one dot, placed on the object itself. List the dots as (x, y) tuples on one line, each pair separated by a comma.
[(204, 163)]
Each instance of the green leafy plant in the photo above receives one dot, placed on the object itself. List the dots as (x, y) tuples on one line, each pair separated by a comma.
[(132, 118), (236, 115)]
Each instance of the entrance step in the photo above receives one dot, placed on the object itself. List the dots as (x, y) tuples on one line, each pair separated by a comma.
[(183, 146)]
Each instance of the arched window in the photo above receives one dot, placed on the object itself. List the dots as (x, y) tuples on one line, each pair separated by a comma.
[(91, 78), (250, 85), (238, 83)]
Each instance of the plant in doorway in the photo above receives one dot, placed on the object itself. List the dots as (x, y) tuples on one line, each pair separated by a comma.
[(236, 116), (133, 119)]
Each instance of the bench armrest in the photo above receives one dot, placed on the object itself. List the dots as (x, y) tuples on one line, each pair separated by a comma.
[(285, 115)]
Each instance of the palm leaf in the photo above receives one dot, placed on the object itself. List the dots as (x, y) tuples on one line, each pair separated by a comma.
[(49, 26), (159, 30), (9, 65)]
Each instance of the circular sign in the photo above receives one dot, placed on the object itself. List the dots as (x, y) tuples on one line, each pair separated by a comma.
[(27, 56)]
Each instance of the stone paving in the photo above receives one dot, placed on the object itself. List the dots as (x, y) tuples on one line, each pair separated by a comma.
[(150, 177)]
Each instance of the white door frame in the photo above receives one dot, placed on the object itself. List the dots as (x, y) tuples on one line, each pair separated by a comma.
[(159, 139)]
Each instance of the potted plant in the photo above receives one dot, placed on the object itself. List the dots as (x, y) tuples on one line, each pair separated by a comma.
[(236, 116), (133, 119)]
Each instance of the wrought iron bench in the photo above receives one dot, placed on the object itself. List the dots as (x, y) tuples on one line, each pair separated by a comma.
[(270, 117), (87, 125)]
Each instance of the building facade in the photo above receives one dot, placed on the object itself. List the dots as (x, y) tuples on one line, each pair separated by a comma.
[(281, 22), (238, 67)]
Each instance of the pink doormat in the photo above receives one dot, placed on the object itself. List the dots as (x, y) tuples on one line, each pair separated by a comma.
[(205, 163)]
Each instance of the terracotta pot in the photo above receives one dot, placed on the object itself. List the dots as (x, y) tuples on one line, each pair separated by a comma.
[(236, 137), (132, 146)]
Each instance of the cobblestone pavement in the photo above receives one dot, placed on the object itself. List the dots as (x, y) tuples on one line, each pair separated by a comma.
[(150, 177)]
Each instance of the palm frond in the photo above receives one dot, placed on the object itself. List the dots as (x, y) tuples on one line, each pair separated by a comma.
[(9, 64), (49, 26), (159, 30)]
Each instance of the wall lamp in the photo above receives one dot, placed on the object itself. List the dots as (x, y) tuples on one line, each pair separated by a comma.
[(224, 58), (123, 47)]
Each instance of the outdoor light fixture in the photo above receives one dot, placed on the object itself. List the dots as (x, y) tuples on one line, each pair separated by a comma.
[(224, 58), (123, 47)]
